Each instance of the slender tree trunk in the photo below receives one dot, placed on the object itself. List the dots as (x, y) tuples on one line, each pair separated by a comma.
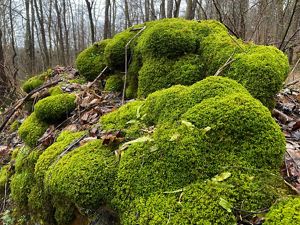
[(89, 6), (147, 10), (66, 29), (127, 17), (61, 51), (162, 9), (13, 46), (177, 8), (153, 14), (170, 4), (41, 20)]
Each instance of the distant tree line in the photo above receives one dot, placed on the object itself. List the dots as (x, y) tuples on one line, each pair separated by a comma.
[(38, 34)]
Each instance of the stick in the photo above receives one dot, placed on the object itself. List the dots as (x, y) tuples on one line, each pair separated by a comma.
[(229, 61), (21, 102), (126, 63), (97, 78)]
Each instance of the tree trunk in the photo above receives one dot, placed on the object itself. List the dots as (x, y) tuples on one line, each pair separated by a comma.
[(127, 18), (61, 52), (177, 8), (89, 6), (147, 10), (170, 8), (162, 9)]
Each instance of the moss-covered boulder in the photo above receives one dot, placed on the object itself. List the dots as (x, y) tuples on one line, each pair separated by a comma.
[(32, 129), (114, 83), (239, 123), (235, 130), (90, 62), (85, 176), (55, 108), (284, 212), (262, 70)]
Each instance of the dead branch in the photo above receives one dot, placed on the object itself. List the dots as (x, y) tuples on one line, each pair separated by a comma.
[(228, 62), (281, 116), (97, 78), (23, 100)]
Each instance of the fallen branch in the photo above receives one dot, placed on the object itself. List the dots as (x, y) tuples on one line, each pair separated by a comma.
[(98, 77), (281, 116), (228, 62), (23, 100)]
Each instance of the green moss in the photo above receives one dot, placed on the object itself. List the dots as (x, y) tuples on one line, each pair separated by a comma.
[(32, 129), (262, 70), (122, 117), (154, 75), (207, 202), (90, 62), (114, 83), (285, 212), (169, 104), (187, 70), (115, 49), (55, 108), (79, 80), (169, 39), (20, 186), (64, 212), (55, 90), (32, 83), (36, 81), (84, 176), (50, 155), (240, 124), (26, 159), (14, 126), (216, 49), (5, 174)]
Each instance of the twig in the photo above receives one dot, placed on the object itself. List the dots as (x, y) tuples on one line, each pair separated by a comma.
[(71, 146), (21, 102), (229, 61), (126, 63), (98, 77), (289, 24), (291, 186)]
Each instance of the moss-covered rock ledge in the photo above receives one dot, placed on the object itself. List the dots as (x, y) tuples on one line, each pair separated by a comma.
[(178, 51)]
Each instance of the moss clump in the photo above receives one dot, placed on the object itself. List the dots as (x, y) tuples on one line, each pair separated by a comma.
[(20, 186), (187, 70), (79, 80), (115, 49), (285, 212), (114, 83), (262, 71), (154, 75), (36, 81), (90, 62), (122, 117), (32, 83), (169, 39), (240, 124), (14, 126), (55, 108), (84, 176), (52, 152), (205, 202), (169, 104), (32, 129), (55, 90), (5, 174)]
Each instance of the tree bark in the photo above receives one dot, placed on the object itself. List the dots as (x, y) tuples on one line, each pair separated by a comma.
[(162, 9), (170, 5), (89, 6)]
